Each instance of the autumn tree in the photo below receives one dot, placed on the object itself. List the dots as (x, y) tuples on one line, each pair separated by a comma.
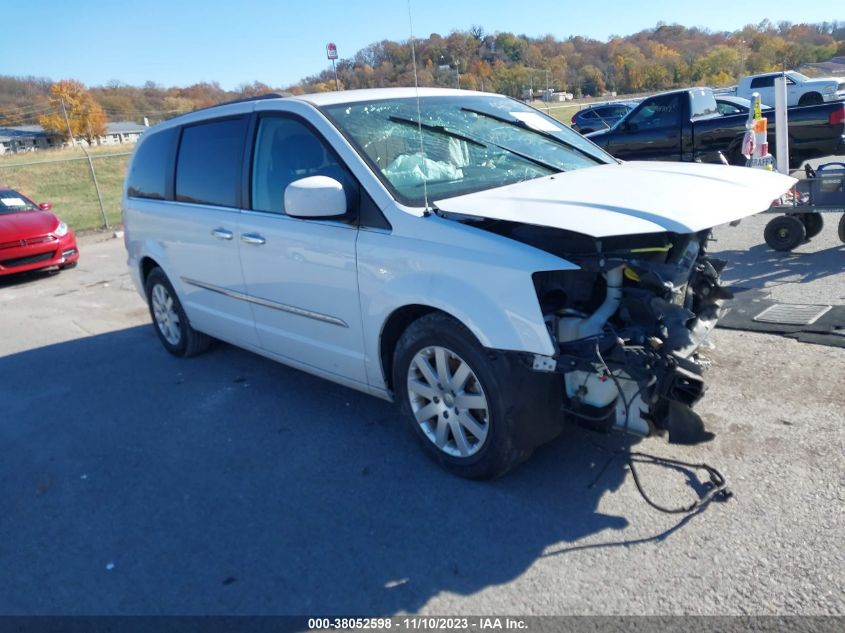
[(85, 117)]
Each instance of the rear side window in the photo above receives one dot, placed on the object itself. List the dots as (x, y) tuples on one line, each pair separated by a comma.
[(152, 165), (615, 111), (210, 162), (728, 108), (763, 82)]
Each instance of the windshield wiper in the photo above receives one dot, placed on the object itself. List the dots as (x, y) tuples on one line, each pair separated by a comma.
[(469, 139), (525, 126), (437, 128)]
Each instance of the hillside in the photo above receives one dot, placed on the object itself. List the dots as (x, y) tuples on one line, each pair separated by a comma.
[(655, 59)]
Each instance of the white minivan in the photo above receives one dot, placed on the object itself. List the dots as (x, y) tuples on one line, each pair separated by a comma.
[(460, 252)]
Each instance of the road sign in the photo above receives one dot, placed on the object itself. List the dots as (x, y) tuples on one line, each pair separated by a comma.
[(331, 51)]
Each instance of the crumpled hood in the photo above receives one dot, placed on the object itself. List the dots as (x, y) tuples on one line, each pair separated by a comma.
[(629, 198)]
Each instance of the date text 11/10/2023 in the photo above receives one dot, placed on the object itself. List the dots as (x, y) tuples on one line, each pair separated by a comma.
[(417, 623)]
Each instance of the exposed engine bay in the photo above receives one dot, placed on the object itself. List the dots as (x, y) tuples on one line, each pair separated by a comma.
[(629, 325)]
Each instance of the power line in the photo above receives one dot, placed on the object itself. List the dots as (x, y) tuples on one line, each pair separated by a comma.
[(27, 109), (23, 115)]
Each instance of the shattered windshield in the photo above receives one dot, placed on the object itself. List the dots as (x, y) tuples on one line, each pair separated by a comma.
[(12, 202), (459, 144)]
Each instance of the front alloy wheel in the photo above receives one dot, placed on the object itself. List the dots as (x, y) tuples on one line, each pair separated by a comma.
[(165, 314), (448, 401), (475, 411)]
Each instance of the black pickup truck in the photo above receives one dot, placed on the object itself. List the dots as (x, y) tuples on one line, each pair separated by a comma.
[(685, 125)]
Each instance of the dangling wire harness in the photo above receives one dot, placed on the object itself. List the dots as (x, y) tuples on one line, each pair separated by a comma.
[(717, 486)]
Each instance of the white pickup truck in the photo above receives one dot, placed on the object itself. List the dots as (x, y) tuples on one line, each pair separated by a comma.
[(800, 89)]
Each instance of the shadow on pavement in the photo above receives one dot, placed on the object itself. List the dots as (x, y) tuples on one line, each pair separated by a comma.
[(760, 266), (20, 279), (134, 482)]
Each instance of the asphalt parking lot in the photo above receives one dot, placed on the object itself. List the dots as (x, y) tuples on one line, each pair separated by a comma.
[(137, 483)]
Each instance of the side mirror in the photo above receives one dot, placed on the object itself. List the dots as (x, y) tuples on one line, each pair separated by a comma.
[(315, 197), (628, 126), (45, 206)]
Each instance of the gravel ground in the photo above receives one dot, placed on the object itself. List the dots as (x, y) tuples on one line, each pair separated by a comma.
[(137, 483)]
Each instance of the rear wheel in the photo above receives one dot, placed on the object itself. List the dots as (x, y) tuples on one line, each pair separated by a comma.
[(842, 228), (811, 98), (813, 223), (784, 233), (169, 318), (456, 400)]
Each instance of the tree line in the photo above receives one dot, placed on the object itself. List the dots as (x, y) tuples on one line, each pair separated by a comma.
[(660, 58), (667, 56)]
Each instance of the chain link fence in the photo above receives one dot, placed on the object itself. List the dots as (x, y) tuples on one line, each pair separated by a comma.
[(84, 189)]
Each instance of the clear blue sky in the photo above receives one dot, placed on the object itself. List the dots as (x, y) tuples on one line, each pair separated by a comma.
[(278, 42)]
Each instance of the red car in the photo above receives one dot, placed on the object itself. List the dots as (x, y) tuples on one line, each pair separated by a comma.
[(31, 237)]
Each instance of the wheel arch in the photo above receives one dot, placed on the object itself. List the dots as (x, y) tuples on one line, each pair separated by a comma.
[(147, 264), (811, 98), (394, 326)]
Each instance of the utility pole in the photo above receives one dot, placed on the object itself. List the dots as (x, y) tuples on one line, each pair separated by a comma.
[(90, 164), (67, 121), (94, 177)]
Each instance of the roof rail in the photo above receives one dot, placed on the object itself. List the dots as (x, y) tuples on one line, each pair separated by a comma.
[(269, 95)]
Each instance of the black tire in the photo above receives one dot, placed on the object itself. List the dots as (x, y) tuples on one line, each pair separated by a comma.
[(501, 448), (784, 233), (811, 98), (842, 229), (813, 223), (189, 341)]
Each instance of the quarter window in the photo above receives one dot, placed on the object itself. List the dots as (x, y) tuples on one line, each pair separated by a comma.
[(152, 165), (209, 167)]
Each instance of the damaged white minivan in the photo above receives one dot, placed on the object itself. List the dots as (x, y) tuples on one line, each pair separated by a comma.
[(462, 253)]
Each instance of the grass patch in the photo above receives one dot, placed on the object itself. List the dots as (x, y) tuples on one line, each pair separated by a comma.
[(60, 177), (563, 112)]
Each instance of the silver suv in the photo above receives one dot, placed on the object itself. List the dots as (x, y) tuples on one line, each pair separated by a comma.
[(459, 252)]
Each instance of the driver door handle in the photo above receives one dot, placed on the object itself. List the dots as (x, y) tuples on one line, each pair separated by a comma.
[(252, 238)]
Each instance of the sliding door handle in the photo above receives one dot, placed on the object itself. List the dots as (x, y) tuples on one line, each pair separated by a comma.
[(252, 238)]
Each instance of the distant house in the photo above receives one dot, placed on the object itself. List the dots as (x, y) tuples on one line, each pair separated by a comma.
[(29, 138), (122, 132), (26, 138)]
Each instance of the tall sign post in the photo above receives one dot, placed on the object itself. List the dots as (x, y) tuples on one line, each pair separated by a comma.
[(331, 53), (781, 126)]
